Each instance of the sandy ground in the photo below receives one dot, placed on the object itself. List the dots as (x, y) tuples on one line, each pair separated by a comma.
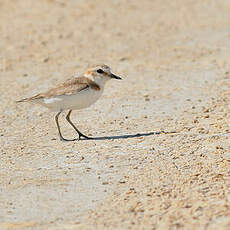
[(174, 57)]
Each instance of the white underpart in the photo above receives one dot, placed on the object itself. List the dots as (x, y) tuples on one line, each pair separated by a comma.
[(76, 101)]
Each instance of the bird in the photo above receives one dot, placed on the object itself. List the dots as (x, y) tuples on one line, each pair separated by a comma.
[(76, 93)]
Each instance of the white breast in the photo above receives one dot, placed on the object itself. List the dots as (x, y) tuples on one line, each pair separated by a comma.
[(80, 100)]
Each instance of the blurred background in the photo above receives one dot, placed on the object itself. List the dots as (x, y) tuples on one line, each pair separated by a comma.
[(76, 32), (174, 60)]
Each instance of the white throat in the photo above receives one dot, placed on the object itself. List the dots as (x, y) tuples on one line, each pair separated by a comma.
[(98, 80)]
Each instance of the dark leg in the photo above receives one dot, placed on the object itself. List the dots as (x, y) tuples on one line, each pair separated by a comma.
[(59, 130), (71, 123)]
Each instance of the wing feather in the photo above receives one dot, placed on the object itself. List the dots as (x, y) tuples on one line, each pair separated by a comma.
[(71, 86)]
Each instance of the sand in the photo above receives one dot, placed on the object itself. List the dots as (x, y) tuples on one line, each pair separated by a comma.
[(163, 161)]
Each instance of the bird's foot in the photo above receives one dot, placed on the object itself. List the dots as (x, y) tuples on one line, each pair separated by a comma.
[(82, 136), (65, 140)]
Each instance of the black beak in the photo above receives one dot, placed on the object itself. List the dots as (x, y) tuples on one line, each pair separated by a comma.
[(115, 77)]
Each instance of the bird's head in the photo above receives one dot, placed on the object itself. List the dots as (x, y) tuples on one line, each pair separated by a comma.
[(101, 73)]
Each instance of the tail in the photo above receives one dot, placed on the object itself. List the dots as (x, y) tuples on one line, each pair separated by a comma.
[(38, 96), (23, 100)]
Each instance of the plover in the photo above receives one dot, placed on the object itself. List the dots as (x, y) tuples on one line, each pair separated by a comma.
[(76, 93)]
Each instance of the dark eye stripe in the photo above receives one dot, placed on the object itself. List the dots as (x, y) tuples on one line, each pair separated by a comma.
[(100, 71)]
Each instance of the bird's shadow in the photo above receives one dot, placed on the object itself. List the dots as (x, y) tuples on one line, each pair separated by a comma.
[(126, 136)]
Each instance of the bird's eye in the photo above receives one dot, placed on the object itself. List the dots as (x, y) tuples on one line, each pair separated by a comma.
[(100, 71)]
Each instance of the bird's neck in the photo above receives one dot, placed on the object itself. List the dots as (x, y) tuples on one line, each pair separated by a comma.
[(98, 80)]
